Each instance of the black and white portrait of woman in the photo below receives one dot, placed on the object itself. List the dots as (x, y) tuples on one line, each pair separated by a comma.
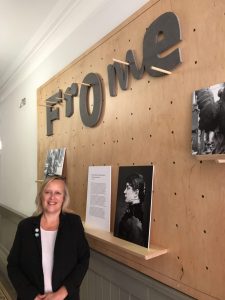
[(134, 204)]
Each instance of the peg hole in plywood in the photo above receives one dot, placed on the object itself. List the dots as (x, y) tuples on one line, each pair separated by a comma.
[(182, 272)]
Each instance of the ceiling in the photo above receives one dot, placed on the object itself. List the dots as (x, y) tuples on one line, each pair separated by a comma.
[(26, 25), (20, 20)]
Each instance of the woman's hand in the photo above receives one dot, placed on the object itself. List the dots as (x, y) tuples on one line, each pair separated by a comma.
[(39, 297), (58, 295)]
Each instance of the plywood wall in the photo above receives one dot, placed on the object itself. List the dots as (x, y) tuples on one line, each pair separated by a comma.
[(150, 123)]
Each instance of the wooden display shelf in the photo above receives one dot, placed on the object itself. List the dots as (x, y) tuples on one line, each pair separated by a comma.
[(100, 240), (219, 158)]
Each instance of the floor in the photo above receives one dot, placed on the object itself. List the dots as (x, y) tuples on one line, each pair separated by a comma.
[(6, 290), (3, 293)]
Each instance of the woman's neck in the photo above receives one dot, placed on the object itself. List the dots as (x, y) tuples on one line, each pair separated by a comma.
[(50, 221), (135, 201)]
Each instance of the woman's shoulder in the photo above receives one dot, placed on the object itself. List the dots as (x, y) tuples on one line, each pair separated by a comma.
[(71, 216), (28, 222), (72, 220)]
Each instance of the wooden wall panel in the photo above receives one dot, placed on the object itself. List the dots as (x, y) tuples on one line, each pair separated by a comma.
[(150, 123)]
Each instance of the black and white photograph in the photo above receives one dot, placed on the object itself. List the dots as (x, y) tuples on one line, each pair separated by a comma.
[(54, 162), (208, 120), (134, 202)]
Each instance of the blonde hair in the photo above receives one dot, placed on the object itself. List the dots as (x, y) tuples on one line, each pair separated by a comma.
[(38, 200)]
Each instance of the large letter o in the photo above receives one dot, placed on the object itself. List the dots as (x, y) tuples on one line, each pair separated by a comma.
[(90, 120)]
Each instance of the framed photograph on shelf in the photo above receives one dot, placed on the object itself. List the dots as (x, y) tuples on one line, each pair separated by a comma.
[(208, 122), (55, 162), (134, 203)]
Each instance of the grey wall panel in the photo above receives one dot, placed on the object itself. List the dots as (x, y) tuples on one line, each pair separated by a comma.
[(126, 283), (114, 292), (124, 295), (8, 224), (105, 289), (84, 290)]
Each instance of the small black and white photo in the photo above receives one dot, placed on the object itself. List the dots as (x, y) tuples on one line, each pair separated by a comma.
[(134, 202), (208, 120), (54, 162)]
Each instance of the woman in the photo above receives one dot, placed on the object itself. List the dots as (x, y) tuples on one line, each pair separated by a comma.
[(131, 224), (50, 254)]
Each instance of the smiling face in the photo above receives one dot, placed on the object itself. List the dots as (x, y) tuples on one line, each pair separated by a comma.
[(53, 196)]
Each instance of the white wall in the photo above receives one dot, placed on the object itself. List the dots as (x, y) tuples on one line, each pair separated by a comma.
[(18, 126)]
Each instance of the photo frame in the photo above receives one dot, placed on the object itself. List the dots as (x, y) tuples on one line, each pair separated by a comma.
[(134, 203), (208, 122)]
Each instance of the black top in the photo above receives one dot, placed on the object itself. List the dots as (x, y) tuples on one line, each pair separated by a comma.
[(131, 225), (71, 257)]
